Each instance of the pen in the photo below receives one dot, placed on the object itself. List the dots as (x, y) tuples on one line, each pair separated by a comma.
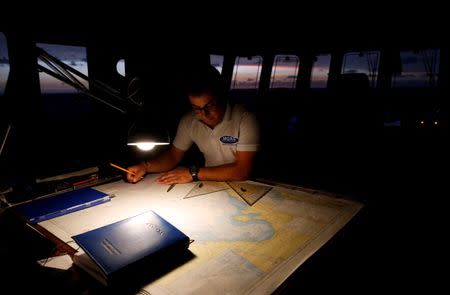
[(123, 169), (171, 187)]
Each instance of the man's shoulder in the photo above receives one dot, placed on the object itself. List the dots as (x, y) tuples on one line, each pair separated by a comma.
[(240, 109), (187, 118)]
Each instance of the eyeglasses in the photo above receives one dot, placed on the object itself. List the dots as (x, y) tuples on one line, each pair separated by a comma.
[(211, 106)]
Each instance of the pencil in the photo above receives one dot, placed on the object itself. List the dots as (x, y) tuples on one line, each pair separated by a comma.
[(170, 187), (123, 169)]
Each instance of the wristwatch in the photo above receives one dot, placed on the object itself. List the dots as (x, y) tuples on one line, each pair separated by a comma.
[(194, 172)]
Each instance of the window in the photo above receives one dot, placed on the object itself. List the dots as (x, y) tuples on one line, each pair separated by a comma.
[(216, 61), (246, 72), (284, 71), (362, 62), (320, 70), (120, 67), (418, 69), (4, 63), (73, 56)]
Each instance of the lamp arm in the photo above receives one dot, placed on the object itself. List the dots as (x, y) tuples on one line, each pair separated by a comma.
[(59, 76), (60, 67), (8, 129), (67, 74), (81, 89)]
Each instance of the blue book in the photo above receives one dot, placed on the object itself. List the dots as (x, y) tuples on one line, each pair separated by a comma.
[(114, 251), (49, 207)]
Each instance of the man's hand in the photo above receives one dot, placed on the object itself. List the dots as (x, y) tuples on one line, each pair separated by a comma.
[(178, 175), (138, 172)]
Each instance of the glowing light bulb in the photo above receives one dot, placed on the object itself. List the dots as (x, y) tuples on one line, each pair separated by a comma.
[(145, 146)]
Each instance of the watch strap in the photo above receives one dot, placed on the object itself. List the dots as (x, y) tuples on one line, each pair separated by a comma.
[(194, 173)]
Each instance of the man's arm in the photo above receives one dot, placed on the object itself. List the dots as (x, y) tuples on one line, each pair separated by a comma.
[(164, 162), (238, 170)]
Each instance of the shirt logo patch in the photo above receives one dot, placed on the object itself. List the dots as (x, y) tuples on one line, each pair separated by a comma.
[(228, 139)]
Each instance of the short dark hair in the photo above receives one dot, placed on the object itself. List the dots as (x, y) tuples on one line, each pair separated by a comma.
[(204, 80)]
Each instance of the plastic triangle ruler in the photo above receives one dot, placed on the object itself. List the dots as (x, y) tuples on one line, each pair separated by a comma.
[(206, 187), (250, 192)]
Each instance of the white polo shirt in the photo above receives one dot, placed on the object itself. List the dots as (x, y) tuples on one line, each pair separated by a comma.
[(238, 131)]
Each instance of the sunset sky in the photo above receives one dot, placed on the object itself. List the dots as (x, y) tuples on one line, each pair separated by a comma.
[(416, 68), (74, 56)]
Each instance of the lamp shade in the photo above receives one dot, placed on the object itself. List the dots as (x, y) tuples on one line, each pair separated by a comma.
[(147, 137)]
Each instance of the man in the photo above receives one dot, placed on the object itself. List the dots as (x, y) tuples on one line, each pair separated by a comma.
[(227, 135)]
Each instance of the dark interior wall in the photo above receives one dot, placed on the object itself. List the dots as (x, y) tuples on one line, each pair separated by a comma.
[(313, 142)]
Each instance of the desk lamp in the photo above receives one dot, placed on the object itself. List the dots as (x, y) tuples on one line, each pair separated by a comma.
[(144, 138)]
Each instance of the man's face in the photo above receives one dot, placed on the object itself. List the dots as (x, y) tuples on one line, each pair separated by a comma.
[(207, 109)]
